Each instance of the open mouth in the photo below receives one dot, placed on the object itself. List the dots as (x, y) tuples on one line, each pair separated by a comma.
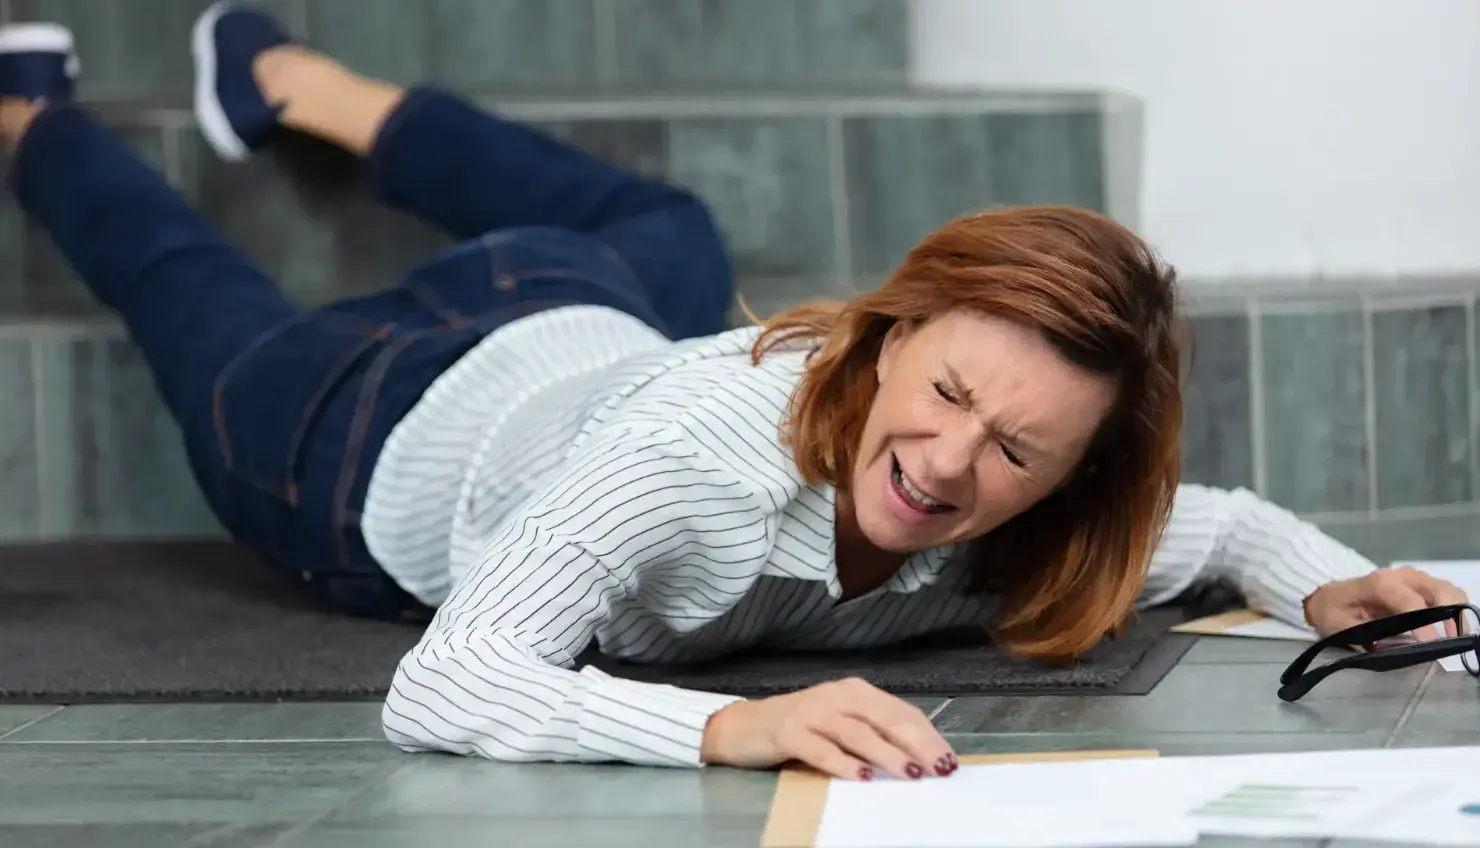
[(912, 495)]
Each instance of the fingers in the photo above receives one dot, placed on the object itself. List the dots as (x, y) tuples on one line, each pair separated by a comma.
[(1443, 593), (1405, 589), (855, 731), (866, 742), (821, 753), (904, 726)]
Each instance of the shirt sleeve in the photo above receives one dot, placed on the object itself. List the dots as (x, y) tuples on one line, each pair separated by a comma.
[(1274, 558), (633, 522)]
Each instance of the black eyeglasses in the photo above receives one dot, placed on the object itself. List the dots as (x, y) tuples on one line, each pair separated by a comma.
[(1299, 678)]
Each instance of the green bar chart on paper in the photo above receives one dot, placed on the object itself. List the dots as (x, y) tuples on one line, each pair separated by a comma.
[(1277, 801)]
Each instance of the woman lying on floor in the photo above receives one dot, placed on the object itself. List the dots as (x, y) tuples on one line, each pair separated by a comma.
[(543, 435)]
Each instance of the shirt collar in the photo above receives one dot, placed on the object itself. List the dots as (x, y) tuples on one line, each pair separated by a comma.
[(804, 556)]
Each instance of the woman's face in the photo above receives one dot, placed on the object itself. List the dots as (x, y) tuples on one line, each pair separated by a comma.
[(977, 418)]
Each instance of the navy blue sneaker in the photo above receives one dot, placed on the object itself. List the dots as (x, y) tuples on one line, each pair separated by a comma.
[(38, 62), (229, 107)]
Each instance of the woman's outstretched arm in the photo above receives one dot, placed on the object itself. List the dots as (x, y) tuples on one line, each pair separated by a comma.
[(1272, 556), (646, 517)]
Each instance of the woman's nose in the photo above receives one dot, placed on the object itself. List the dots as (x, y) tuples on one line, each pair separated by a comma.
[(952, 454)]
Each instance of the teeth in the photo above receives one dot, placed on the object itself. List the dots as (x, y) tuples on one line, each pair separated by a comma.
[(915, 494)]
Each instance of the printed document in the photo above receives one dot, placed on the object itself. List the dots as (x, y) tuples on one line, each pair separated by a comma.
[(1411, 795)]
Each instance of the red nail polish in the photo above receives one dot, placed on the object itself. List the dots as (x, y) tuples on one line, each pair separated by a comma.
[(914, 772), (951, 759), (865, 773), (943, 767)]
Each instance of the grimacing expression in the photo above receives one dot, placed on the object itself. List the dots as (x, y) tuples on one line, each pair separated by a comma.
[(977, 418)]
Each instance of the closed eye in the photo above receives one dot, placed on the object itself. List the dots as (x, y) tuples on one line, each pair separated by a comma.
[(1013, 457), (945, 392)]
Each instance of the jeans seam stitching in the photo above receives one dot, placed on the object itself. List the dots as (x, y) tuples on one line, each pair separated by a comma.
[(318, 397), (354, 445), (218, 386)]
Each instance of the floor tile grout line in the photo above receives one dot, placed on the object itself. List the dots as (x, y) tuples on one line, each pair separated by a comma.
[(299, 829), (935, 713), (1412, 706), (37, 720)]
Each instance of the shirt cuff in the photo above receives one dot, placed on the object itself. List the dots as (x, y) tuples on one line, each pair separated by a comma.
[(1308, 561), (646, 723)]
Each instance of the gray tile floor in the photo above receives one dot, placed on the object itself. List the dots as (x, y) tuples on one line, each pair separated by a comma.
[(320, 775)]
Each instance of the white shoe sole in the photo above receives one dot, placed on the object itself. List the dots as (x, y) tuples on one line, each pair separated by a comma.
[(210, 115), (41, 38)]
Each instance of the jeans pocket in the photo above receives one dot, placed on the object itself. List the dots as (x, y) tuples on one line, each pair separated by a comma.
[(267, 401)]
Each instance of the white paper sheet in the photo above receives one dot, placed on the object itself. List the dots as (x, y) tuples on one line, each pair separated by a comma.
[(1020, 805), (1449, 816), (1462, 573), (1166, 801)]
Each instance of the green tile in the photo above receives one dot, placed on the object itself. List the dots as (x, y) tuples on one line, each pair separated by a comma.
[(503, 44), (184, 784), (146, 835), (467, 44), (1233, 698), (13, 718), (291, 13), (1418, 537), (20, 492), (1421, 387), (373, 248), (1210, 650), (13, 226), (906, 176), (1450, 704), (927, 705), (681, 43), (1047, 157), (640, 146), (385, 39), (766, 296), (1315, 411), (1217, 425), (433, 786), (1436, 739), (534, 830), (207, 722), (131, 49), (113, 457), (1166, 744), (283, 222), (766, 181)]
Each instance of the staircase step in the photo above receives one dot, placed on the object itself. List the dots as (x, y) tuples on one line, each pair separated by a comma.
[(817, 194), (137, 49)]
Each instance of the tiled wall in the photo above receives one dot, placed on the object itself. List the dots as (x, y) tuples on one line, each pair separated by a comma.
[(791, 119), (815, 194), (1357, 399)]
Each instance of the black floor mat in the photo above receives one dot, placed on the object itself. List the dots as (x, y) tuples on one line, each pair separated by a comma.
[(948, 665), (205, 621)]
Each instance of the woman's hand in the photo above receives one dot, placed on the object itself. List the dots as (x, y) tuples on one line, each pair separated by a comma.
[(848, 729), (1386, 591)]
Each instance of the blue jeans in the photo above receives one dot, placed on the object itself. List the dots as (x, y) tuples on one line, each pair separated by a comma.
[(283, 410)]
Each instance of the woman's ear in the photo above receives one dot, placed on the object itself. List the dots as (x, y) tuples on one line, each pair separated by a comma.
[(896, 334)]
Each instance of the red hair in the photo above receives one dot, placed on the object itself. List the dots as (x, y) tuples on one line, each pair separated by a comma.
[(1069, 569)]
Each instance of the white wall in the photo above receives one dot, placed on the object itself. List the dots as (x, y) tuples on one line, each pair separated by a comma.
[(1282, 136)]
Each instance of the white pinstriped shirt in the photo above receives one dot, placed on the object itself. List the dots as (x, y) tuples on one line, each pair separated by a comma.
[(577, 477)]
